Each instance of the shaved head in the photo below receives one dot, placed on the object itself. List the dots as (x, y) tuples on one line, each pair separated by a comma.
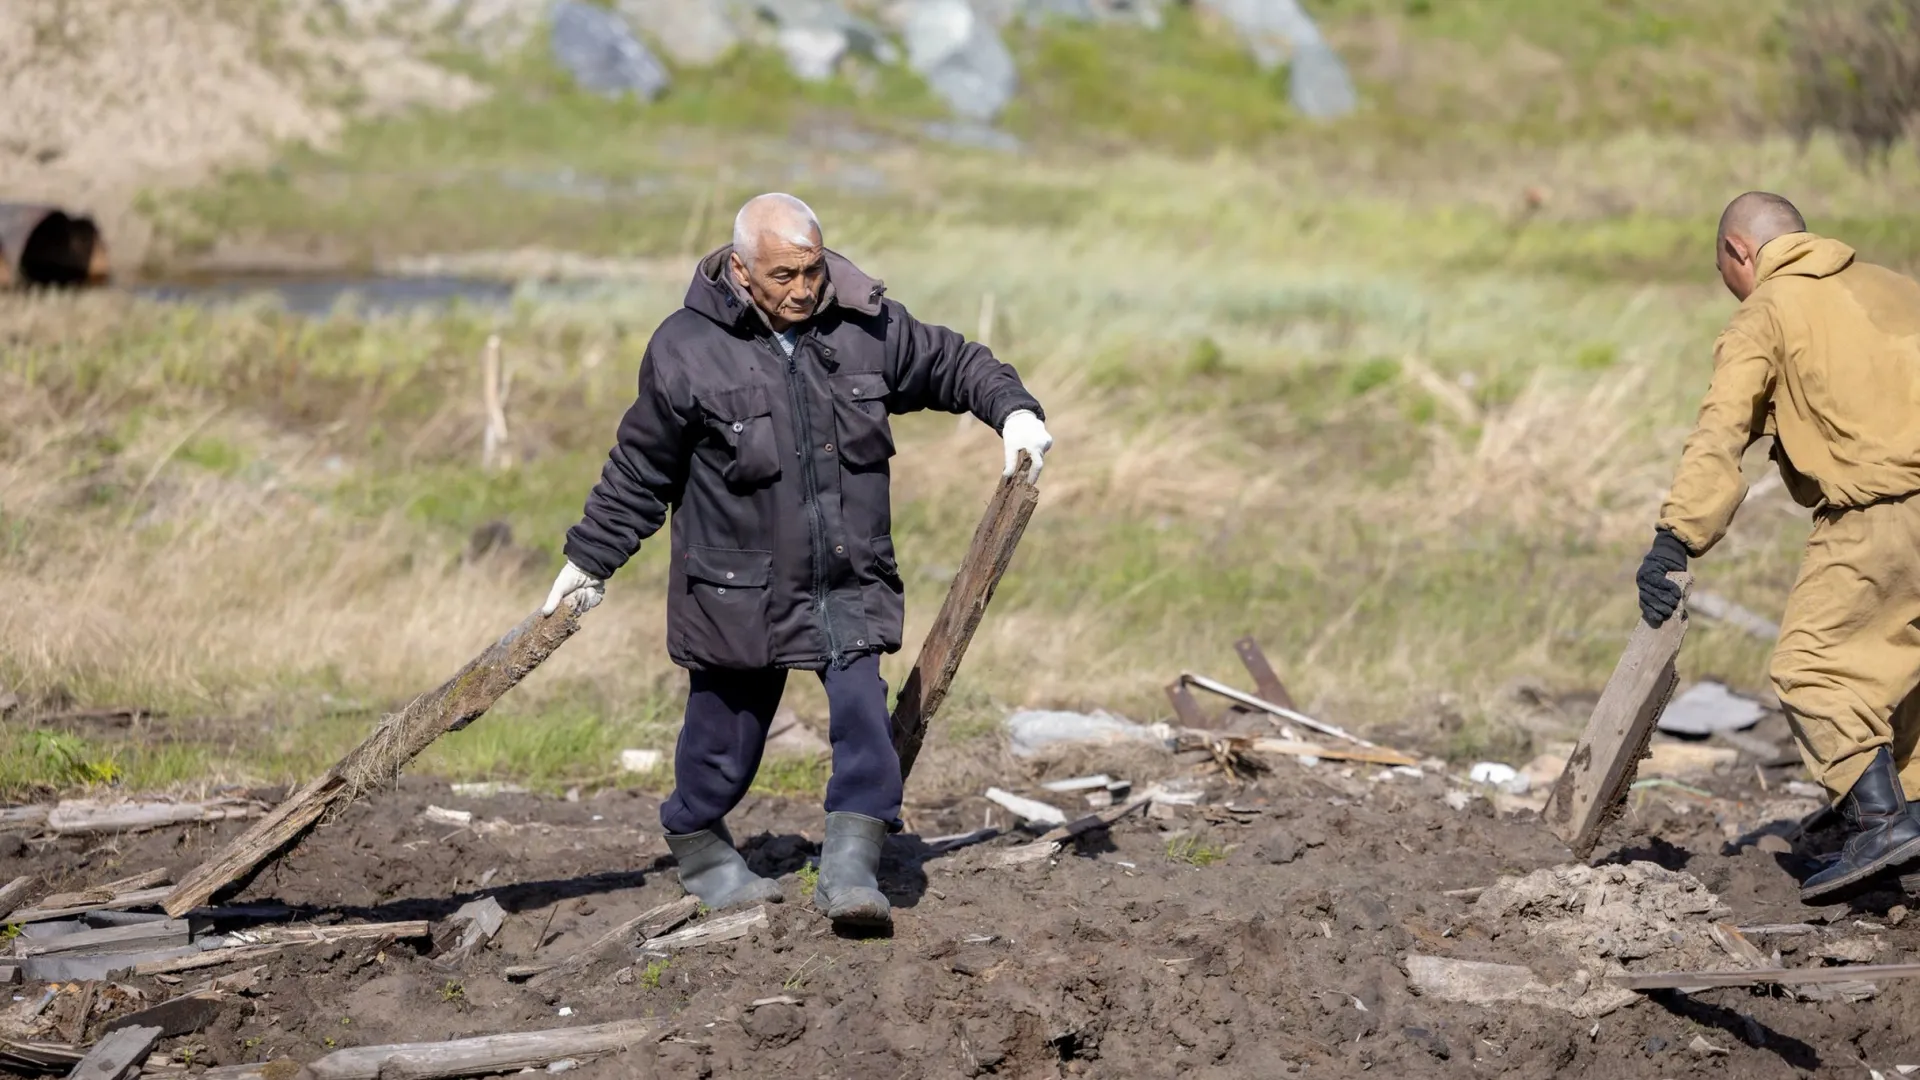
[(1760, 216), (779, 258), (1748, 224), (777, 218)]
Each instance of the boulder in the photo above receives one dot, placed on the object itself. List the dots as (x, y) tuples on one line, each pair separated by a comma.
[(961, 57), (1278, 31), (693, 33), (814, 35), (599, 50)]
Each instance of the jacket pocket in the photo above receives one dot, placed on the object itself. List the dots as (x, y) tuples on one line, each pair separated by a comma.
[(884, 595), (741, 419), (723, 621), (860, 414)]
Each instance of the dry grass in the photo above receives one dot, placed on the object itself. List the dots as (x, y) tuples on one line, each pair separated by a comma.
[(1402, 412)]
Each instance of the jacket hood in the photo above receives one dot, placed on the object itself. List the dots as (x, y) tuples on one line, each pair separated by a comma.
[(1803, 254), (716, 295)]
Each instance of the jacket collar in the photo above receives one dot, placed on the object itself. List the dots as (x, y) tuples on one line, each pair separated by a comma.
[(714, 294)]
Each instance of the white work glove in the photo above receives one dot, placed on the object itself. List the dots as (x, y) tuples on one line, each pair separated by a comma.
[(1025, 431), (586, 590)]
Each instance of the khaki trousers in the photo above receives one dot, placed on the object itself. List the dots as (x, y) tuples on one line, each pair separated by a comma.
[(1848, 659)]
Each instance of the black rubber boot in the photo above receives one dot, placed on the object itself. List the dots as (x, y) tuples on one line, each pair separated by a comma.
[(1886, 836), (848, 890), (711, 869)]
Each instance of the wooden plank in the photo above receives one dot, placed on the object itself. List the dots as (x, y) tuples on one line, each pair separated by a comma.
[(1594, 784), (1266, 706), (23, 817), (197, 959), (398, 740), (1676, 980), (183, 1015), (37, 1057), (124, 902), (13, 894), (482, 1055), (722, 928), (78, 818), (1265, 682), (986, 562), (59, 968), (1377, 755), (154, 935), (9, 974), (650, 923), (99, 895), (118, 1055)]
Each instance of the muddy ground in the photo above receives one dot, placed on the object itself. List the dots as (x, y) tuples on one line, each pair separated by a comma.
[(1130, 955)]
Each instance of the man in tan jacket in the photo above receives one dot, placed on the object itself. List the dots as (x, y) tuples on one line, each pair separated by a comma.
[(1824, 355)]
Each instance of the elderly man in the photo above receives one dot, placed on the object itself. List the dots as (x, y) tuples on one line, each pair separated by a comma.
[(1824, 355), (761, 423)]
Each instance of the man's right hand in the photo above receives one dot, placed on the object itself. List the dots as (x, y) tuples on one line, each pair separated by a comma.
[(1659, 597), (586, 590)]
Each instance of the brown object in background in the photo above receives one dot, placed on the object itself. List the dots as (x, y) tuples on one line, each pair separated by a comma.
[(992, 549), (378, 760), (1601, 768), (45, 245)]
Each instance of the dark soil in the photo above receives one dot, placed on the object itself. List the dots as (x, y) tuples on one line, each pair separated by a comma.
[(1267, 939)]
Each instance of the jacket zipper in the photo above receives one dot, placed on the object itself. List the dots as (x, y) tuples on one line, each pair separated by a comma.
[(810, 487)]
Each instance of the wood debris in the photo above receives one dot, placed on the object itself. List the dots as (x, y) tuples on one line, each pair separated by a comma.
[(398, 740), (477, 1056), (13, 894), (722, 928), (118, 1055), (648, 924), (469, 929), (1700, 980), (81, 817), (128, 901), (986, 561), (1027, 809), (1601, 768)]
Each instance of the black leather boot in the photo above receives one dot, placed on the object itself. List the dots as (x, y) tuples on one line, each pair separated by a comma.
[(712, 869), (849, 890), (1886, 835)]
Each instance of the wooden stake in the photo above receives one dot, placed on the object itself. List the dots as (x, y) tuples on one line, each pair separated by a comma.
[(378, 760), (992, 549), (1594, 784)]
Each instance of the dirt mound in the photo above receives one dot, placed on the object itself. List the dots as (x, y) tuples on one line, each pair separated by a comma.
[(109, 97), (1269, 934)]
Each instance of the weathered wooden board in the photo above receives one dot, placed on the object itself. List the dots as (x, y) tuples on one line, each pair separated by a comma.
[(118, 1055), (13, 894), (1677, 980), (1377, 755), (139, 898), (987, 559), (398, 740), (164, 934), (80, 817), (1594, 783), (480, 1056)]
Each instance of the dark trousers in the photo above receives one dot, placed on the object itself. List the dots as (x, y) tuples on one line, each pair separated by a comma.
[(728, 714)]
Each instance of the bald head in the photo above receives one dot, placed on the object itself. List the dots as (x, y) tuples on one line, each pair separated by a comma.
[(1760, 216), (1748, 224), (774, 220), (779, 258)]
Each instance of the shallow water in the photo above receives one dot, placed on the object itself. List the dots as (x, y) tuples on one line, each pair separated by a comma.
[(317, 295)]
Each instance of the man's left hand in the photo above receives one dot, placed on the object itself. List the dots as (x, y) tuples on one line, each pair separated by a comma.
[(1659, 596), (1025, 431)]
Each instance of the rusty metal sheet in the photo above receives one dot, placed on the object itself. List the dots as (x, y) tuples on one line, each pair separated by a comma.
[(1187, 709), (1264, 680), (45, 245)]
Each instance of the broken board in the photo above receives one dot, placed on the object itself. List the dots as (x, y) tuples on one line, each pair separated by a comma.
[(1594, 784), (380, 757), (987, 558)]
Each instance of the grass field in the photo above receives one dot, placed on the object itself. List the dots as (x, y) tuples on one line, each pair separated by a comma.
[(1402, 407)]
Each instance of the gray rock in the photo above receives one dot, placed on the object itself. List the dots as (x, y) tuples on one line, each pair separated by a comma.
[(1278, 31), (814, 35), (961, 57), (971, 135), (599, 50), (695, 33)]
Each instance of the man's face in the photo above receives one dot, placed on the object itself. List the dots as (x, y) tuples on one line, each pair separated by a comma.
[(784, 280), (1737, 270)]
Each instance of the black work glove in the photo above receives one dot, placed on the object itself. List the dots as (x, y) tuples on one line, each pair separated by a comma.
[(1659, 596)]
